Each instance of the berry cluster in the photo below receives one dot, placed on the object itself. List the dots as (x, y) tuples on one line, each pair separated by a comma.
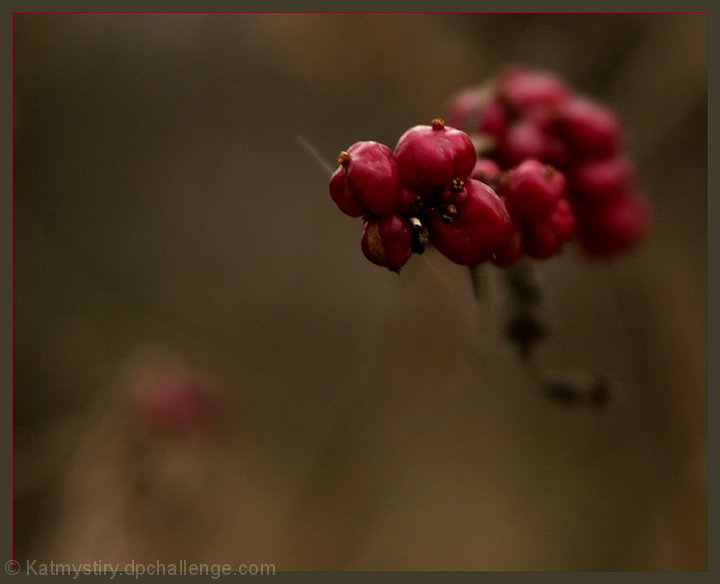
[(432, 188), (521, 167), (526, 114), (542, 219)]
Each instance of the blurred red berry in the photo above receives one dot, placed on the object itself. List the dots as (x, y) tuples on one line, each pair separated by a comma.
[(485, 170), (523, 89), (173, 400), (591, 129), (464, 107), (493, 119), (602, 179), (531, 189), (612, 227), (523, 139), (512, 251), (545, 238)]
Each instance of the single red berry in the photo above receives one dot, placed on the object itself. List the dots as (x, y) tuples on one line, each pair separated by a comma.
[(512, 251), (471, 225), (601, 179), (523, 139), (463, 107), (531, 137), (612, 227), (430, 157), (387, 241), (410, 202), (544, 238), (590, 128), (531, 189), (366, 177), (494, 119), (347, 200), (524, 89), (171, 399), (486, 170), (562, 220)]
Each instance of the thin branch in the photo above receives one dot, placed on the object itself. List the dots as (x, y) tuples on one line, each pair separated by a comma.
[(310, 149)]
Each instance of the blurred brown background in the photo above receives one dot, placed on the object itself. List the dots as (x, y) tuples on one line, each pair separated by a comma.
[(166, 211)]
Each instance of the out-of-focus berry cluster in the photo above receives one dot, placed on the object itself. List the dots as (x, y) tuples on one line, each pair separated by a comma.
[(526, 114), (521, 167)]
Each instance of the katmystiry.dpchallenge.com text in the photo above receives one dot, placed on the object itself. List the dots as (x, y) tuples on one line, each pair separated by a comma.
[(112, 569)]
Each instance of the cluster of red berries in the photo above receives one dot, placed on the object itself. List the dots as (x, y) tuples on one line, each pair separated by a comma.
[(532, 114), (520, 169), (434, 188)]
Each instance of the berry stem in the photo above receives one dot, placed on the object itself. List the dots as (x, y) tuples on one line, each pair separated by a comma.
[(310, 149), (476, 280), (525, 326), (592, 390)]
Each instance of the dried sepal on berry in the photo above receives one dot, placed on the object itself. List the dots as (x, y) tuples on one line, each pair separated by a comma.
[(387, 241)]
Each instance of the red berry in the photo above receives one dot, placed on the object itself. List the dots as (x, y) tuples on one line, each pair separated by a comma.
[(410, 202), (523, 139), (387, 241), (602, 179), (173, 400), (345, 198), (590, 128), (493, 118), (472, 227), (430, 157), (523, 89), (366, 180), (464, 107), (562, 220), (532, 138), (511, 252), (485, 170), (615, 226), (531, 189), (544, 238)]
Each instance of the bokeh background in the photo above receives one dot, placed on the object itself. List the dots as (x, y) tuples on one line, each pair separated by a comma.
[(171, 221)]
